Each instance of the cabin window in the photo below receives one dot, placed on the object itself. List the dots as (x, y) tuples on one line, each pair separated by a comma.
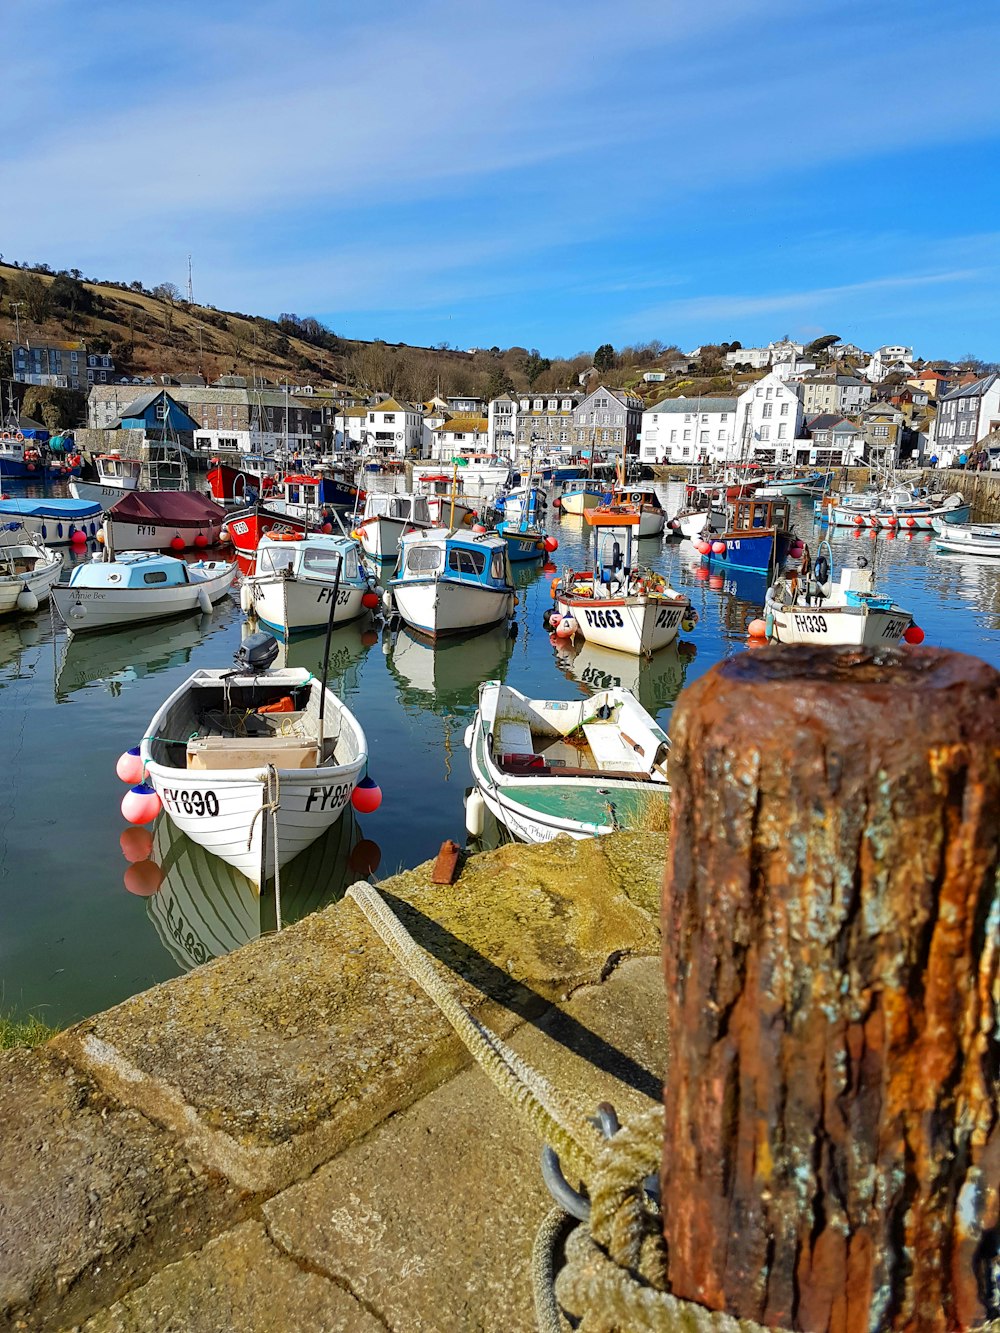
[(466, 562), (326, 560), (423, 559), (497, 569), (155, 576)]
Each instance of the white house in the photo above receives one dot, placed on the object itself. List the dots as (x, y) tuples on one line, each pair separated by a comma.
[(759, 358), (768, 419), (460, 436), (965, 416), (688, 430), (793, 368), (502, 418), (887, 360), (395, 430)]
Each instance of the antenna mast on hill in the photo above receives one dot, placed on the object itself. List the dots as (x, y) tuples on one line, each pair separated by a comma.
[(190, 282)]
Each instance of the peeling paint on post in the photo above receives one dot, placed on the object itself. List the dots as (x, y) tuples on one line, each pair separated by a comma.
[(831, 926)]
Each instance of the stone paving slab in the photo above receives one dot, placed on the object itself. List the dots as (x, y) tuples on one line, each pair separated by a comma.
[(239, 1283), (432, 1218), (267, 1062), (92, 1197)]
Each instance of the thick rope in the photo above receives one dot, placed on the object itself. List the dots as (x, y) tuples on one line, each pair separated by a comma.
[(614, 1272), (568, 1130)]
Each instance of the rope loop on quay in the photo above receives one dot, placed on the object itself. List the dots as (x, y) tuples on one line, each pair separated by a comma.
[(613, 1274)]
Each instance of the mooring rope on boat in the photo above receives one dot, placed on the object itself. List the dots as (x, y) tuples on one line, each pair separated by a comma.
[(614, 1273)]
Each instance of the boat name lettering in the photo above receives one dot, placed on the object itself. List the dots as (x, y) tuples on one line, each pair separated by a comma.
[(665, 618), (145, 529), (811, 624), (610, 619), (328, 798), (326, 595), (894, 629), (239, 527), (595, 676), (190, 801)]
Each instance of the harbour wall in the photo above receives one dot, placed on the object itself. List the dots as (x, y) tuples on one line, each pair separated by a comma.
[(981, 489), (292, 1136)]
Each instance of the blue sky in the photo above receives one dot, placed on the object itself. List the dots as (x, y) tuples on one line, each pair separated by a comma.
[(555, 175)]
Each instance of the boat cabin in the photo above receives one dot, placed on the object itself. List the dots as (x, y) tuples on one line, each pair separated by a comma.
[(751, 514), (464, 559), (113, 470), (131, 569), (636, 495), (405, 506), (315, 558)]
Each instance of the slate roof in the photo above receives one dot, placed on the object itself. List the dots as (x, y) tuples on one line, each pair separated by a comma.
[(672, 405), (974, 390)]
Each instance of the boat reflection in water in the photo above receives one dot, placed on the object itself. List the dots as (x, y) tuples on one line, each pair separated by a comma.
[(16, 635), (348, 646), (114, 657), (444, 677), (655, 681), (203, 908)]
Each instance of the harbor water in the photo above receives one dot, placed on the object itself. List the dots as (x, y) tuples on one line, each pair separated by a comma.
[(81, 927)]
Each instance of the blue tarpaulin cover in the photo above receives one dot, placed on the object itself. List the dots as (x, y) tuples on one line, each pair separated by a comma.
[(55, 509)]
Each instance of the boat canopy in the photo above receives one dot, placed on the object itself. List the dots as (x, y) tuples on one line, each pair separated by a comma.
[(180, 509), (131, 569), (54, 509), (315, 557), (481, 559)]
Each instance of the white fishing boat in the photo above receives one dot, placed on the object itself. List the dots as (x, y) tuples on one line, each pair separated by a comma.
[(910, 507), (55, 522), (27, 572), (271, 760), (452, 583), (618, 605), (116, 476), (545, 767), (386, 517), (138, 586), (815, 609), (975, 538), (691, 523), (482, 474), (449, 507), (297, 580), (578, 496)]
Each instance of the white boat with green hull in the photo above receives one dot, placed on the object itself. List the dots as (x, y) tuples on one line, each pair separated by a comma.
[(582, 767)]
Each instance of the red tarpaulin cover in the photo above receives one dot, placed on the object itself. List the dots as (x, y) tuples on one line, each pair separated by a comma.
[(181, 509)]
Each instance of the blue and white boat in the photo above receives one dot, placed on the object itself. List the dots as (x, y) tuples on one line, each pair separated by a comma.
[(524, 502), (758, 537), (56, 522), (139, 586), (452, 583), (296, 578), (525, 541)]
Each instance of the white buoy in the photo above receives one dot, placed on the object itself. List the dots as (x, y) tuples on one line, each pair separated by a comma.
[(204, 601), (246, 598), (26, 600), (77, 611), (475, 814)]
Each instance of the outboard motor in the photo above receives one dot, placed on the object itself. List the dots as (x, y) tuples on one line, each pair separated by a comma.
[(257, 652)]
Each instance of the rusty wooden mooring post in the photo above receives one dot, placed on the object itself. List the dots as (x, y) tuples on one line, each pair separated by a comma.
[(831, 921)]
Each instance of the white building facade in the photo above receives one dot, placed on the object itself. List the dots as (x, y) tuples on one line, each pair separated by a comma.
[(502, 416), (395, 430), (768, 421), (688, 430)]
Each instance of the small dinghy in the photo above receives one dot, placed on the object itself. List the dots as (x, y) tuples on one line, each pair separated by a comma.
[(297, 581), (809, 607), (138, 586), (581, 767), (254, 764), (973, 538), (27, 572)]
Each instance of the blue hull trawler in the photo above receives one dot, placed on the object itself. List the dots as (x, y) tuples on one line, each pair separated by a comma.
[(452, 583), (757, 537)]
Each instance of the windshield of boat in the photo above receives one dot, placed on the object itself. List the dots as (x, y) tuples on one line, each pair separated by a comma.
[(324, 560), (469, 564), (424, 559)]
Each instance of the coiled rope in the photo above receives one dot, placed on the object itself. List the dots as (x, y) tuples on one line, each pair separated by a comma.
[(615, 1267)]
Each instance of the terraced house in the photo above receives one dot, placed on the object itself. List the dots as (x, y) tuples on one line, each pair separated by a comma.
[(688, 430), (545, 420), (609, 418)]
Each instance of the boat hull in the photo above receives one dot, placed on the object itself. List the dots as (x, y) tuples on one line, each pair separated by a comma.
[(294, 605), (160, 536), (379, 536), (694, 523), (636, 625), (578, 501), (51, 531), (39, 581), (246, 529), (83, 610), (759, 552), (837, 626), (644, 523), (105, 496), (522, 545), (974, 539), (438, 606)]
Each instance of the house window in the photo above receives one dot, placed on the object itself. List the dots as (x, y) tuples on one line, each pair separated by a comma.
[(390, 417), (673, 437), (687, 435), (161, 411), (724, 416), (880, 432), (765, 432), (782, 431), (703, 437), (768, 408), (784, 409)]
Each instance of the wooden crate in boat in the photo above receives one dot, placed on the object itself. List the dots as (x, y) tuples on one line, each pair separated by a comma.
[(212, 752)]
